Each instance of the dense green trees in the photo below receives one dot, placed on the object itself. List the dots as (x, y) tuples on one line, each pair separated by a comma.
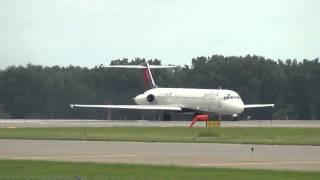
[(45, 92)]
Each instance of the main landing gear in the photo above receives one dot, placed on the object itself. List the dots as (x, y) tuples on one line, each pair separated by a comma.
[(166, 116)]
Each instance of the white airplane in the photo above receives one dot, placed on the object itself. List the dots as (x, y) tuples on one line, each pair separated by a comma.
[(197, 101)]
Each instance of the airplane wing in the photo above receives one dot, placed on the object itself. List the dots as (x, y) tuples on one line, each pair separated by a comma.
[(258, 105), (141, 107)]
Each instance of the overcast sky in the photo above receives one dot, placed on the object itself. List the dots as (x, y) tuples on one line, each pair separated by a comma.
[(93, 32)]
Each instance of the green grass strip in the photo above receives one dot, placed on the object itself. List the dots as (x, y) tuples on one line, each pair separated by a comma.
[(49, 170), (281, 136)]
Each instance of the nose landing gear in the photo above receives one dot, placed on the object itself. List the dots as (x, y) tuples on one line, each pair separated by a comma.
[(235, 117)]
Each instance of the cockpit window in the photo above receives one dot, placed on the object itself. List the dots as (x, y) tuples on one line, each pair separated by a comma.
[(230, 97)]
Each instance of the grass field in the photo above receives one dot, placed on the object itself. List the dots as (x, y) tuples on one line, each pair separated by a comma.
[(12, 169), (293, 136)]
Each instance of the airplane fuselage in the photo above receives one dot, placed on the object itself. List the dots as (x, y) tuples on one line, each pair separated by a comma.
[(219, 101), (201, 102)]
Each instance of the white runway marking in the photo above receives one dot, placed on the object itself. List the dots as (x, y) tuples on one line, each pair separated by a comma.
[(76, 156), (255, 163), (297, 125)]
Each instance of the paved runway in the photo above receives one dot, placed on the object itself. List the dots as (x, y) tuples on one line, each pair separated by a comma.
[(12, 123), (185, 154)]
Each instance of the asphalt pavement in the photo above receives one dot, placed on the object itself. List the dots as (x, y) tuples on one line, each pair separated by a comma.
[(15, 123), (182, 154)]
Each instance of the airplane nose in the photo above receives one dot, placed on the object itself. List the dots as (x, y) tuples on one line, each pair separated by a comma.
[(138, 99), (239, 106)]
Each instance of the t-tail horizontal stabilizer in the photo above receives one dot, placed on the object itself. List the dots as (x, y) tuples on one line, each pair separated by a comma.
[(147, 76), (138, 66)]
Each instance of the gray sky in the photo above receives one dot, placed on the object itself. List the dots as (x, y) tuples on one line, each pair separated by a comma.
[(92, 32)]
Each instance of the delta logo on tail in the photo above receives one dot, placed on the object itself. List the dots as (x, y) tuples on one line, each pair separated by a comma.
[(147, 79)]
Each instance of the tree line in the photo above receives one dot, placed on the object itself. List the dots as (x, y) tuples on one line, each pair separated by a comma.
[(36, 91)]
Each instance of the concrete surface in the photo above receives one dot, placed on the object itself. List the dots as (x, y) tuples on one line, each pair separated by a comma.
[(12, 123), (185, 154)]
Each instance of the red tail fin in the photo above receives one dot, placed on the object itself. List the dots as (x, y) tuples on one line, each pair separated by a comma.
[(147, 79)]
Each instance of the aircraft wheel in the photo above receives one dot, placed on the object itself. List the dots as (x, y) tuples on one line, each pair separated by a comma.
[(235, 117), (166, 117)]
